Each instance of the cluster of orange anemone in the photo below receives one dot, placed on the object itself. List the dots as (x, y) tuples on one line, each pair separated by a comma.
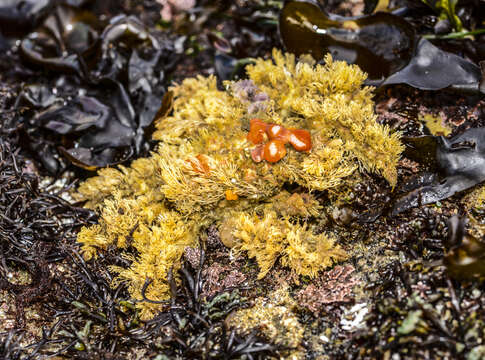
[(271, 140)]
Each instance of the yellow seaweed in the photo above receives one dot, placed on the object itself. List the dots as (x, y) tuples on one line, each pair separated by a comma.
[(151, 210)]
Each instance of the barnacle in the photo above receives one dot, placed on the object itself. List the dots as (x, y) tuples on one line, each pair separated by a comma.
[(315, 127)]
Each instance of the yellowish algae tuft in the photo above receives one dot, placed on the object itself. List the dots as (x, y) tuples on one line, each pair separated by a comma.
[(202, 172), (434, 123), (269, 238), (274, 318)]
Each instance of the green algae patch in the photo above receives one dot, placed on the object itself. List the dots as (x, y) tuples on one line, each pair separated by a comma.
[(204, 172)]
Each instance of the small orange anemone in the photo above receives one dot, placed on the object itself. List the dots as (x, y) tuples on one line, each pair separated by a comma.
[(301, 140), (257, 132), (274, 151)]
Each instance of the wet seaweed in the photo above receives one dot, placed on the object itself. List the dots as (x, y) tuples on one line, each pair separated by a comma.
[(417, 308), (416, 302), (405, 315), (465, 257), (19, 17), (454, 165), (33, 224), (384, 45), (112, 83), (93, 319), (41, 266), (194, 327)]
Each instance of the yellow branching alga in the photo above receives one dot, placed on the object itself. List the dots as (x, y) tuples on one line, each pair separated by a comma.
[(275, 319), (202, 172)]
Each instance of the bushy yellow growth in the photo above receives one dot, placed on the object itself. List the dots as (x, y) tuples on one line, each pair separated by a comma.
[(159, 248), (263, 239), (329, 100), (198, 106), (120, 219), (268, 238), (144, 227), (140, 179), (202, 171), (301, 205), (274, 318)]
